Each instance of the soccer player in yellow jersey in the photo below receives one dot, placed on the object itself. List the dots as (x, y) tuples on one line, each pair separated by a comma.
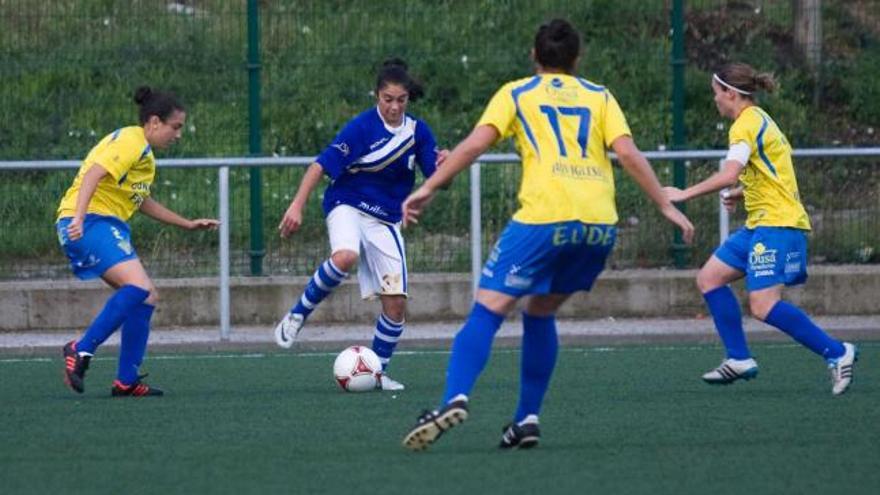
[(557, 242), (113, 182), (770, 251)]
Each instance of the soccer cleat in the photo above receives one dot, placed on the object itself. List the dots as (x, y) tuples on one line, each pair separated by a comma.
[(731, 370), (842, 369), (520, 436), (385, 382), (288, 329), (431, 424), (75, 367), (136, 389)]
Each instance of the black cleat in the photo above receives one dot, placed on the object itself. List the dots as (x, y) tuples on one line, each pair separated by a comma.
[(517, 436), (136, 389), (431, 424), (75, 367)]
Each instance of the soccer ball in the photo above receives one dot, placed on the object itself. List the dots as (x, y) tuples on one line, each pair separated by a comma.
[(357, 369)]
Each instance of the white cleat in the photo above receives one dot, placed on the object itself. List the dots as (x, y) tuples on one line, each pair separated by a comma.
[(731, 370), (842, 369), (388, 383), (288, 329)]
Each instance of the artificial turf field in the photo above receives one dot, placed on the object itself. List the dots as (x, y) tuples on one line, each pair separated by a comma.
[(616, 420)]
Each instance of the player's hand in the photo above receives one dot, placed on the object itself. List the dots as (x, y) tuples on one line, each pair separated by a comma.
[(729, 201), (441, 157), (292, 220), (674, 194), (678, 218), (75, 229), (415, 203), (203, 224)]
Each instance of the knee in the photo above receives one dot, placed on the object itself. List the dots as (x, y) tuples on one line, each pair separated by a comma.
[(153, 298), (706, 281), (760, 305), (397, 312), (345, 260)]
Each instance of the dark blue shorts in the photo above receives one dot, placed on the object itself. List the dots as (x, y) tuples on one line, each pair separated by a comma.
[(106, 242), (767, 255), (557, 258)]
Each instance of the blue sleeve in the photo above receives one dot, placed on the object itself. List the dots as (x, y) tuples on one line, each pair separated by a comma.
[(342, 152), (426, 149)]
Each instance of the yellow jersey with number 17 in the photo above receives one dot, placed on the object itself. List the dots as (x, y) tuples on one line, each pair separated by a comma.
[(562, 128), (770, 188), (126, 156)]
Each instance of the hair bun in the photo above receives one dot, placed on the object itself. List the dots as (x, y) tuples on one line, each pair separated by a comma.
[(142, 94), (395, 62)]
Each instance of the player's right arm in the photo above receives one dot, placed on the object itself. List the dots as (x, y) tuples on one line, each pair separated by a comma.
[(87, 188), (635, 164), (464, 154), (292, 219)]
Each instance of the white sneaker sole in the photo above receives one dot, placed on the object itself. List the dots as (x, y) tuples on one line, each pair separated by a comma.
[(424, 435)]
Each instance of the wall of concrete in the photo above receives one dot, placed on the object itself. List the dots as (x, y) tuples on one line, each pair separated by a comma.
[(66, 305)]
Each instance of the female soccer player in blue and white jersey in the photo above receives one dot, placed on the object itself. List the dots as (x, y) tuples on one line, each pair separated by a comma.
[(558, 241), (371, 165), (770, 251), (113, 182)]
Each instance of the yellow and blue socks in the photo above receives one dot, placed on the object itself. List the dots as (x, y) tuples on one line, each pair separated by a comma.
[(116, 311), (793, 321), (385, 338), (725, 312), (470, 351), (326, 278), (135, 332), (540, 347)]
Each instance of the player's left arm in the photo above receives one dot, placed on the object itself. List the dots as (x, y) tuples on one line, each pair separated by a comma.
[(724, 178), (158, 211), (428, 154)]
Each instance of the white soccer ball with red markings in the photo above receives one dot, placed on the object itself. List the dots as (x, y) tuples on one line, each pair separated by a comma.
[(357, 369)]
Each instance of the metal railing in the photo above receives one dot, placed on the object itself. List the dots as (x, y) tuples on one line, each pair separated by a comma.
[(476, 242)]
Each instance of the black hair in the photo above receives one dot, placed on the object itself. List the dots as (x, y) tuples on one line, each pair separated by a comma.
[(158, 103), (395, 71), (557, 45)]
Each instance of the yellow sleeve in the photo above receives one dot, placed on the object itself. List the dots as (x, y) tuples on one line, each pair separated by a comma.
[(500, 113), (119, 155), (614, 123)]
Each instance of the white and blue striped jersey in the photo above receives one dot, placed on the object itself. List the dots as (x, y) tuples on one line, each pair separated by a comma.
[(372, 165)]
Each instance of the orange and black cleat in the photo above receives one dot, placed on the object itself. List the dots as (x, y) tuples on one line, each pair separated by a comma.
[(136, 389), (75, 367)]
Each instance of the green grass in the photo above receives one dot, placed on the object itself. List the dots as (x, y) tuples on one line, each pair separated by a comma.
[(620, 420)]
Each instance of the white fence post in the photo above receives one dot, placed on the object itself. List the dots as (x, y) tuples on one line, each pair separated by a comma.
[(723, 215), (225, 325), (476, 228)]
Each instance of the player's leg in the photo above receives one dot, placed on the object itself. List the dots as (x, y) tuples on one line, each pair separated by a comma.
[(780, 256), (344, 230), (383, 274), (579, 253), (540, 347), (135, 330)]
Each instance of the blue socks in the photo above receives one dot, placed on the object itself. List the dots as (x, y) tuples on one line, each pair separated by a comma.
[(135, 332), (725, 311), (793, 321), (327, 277), (117, 310), (470, 351), (385, 338), (540, 347)]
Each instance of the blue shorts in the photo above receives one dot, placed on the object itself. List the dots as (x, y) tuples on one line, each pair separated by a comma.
[(767, 255), (106, 242), (556, 258)]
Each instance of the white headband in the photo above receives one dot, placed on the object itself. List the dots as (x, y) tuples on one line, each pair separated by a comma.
[(728, 86)]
